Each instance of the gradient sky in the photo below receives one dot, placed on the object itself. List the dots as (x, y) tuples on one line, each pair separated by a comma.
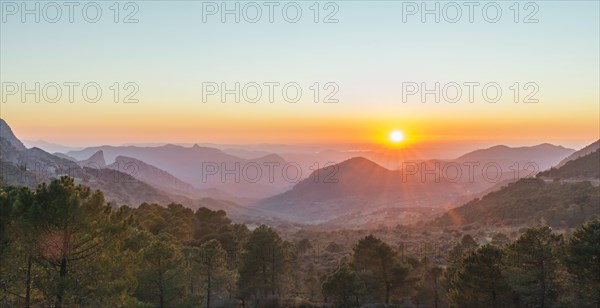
[(369, 53)]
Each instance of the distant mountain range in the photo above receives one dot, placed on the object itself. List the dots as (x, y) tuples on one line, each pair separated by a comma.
[(354, 192), (205, 168), (32, 166), (359, 185), (543, 155), (119, 183), (141, 171)]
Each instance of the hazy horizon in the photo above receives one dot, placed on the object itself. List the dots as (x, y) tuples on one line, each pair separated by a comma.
[(442, 152)]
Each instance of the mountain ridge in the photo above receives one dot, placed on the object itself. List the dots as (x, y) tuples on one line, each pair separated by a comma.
[(582, 152), (7, 133), (567, 201)]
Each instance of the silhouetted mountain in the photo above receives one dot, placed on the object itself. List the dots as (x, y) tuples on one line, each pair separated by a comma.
[(360, 185), (12, 171), (205, 167), (357, 184), (120, 184), (544, 155), (7, 133), (180, 161), (583, 152), (94, 161), (29, 167), (354, 176), (529, 202), (151, 175), (584, 167), (568, 201)]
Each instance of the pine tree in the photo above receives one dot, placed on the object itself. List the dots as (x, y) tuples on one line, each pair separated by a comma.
[(582, 259), (262, 264), (375, 261), (345, 286), (75, 227), (533, 267), (161, 273), (477, 280), (212, 260)]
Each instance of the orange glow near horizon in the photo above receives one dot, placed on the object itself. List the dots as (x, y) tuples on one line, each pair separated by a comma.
[(89, 125)]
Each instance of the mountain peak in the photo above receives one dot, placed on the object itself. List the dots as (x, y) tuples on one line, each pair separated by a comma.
[(97, 160), (271, 158), (7, 133), (360, 162)]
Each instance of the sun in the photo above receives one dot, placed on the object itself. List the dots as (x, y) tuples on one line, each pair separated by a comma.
[(396, 136)]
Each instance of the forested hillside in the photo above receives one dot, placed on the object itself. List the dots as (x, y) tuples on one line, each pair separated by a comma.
[(529, 202), (585, 167), (561, 198), (62, 245)]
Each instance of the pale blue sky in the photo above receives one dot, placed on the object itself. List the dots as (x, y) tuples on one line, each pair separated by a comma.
[(369, 53)]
